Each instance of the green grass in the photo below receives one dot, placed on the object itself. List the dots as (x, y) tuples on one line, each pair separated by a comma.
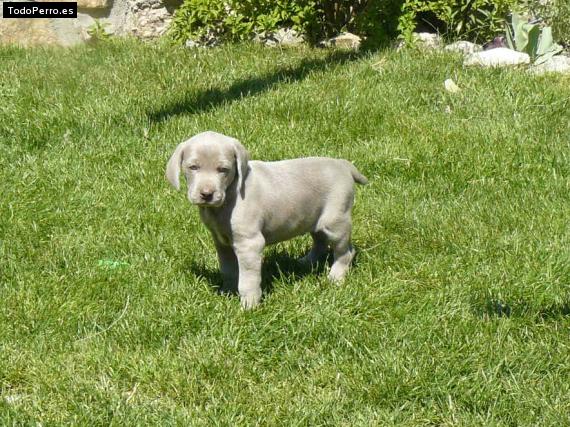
[(457, 311)]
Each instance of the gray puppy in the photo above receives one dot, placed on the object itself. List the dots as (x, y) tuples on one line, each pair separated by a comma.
[(249, 204)]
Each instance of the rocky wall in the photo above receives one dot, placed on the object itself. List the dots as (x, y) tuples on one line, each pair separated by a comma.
[(142, 18)]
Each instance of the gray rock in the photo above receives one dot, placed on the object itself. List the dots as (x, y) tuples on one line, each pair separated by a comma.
[(288, 37), (142, 18), (557, 64), (145, 4), (92, 4), (150, 22), (499, 57), (191, 44), (265, 38), (283, 36), (464, 47), (211, 39), (343, 41), (450, 86), (427, 40)]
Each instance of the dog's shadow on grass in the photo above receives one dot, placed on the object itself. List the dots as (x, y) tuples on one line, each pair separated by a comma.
[(277, 266), (494, 308), (194, 102)]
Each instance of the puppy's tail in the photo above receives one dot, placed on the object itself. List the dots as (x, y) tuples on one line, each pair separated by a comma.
[(356, 175)]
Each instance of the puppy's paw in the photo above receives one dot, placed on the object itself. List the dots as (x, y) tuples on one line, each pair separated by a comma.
[(250, 300), (337, 274)]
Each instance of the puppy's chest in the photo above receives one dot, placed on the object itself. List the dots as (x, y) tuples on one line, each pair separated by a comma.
[(219, 228)]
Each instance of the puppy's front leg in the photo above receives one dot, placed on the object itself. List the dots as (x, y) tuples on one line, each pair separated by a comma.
[(228, 267), (248, 252)]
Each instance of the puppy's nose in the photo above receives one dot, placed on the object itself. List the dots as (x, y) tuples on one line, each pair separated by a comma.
[(207, 195)]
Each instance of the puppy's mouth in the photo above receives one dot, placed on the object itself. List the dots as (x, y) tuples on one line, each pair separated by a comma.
[(215, 202)]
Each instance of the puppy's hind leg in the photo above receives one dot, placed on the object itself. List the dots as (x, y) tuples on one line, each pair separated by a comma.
[(339, 237), (317, 252)]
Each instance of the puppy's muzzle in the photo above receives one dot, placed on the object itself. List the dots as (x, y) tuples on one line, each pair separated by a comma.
[(206, 196)]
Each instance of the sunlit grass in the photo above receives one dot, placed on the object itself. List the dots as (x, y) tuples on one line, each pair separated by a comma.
[(455, 313)]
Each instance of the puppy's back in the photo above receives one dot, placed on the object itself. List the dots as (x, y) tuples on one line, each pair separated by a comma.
[(314, 172)]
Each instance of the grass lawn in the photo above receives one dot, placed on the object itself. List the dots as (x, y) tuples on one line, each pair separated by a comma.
[(457, 311)]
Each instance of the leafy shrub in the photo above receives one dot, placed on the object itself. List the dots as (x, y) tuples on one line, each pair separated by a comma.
[(477, 20), (561, 22), (557, 14), (377, 20), (98, 32), (234, 20)]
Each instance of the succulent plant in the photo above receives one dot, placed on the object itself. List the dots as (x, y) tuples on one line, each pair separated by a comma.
[(530, 38)]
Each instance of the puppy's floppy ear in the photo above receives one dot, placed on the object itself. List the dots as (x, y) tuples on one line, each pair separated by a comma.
[(242, 158), (173, 165)]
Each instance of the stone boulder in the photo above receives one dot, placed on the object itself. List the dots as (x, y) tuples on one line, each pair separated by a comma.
[(423, 40), (343, 41), (427, 40), (27, 32), (463, 47), (142, 18), (148, 19), (92, 4), (84, 4), (451, 86), (500, 57), (211, 39), (288, 37), (557, 64), (281, 37)]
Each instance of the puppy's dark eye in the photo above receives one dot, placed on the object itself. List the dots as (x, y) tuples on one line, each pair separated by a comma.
[(223, 170), (193, 167)]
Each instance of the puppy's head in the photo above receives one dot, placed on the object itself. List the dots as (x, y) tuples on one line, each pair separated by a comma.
[(211, 163)]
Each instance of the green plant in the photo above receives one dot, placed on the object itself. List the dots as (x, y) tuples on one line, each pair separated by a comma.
[(555, 13), (234, 20), (477, 20), (530, 38), (376, 20), (98, 32), (561, 21)]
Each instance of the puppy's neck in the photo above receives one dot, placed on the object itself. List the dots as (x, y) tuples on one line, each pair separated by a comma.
[(217, 220)]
